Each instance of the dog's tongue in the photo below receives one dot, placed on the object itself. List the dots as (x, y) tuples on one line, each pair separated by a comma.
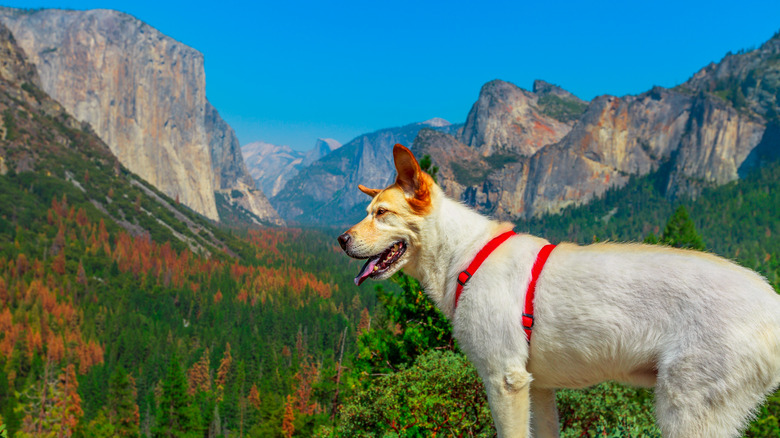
[(367, 269)]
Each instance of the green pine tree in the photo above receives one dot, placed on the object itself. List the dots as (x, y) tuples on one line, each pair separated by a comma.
[(426, 165), (122, 407), (680, 232), (177, 417)]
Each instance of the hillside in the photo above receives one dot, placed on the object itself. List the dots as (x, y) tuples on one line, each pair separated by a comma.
[(113, 293)]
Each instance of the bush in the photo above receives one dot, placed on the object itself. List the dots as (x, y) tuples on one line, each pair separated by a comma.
[(768, 422), (607, 409), (440, 394)]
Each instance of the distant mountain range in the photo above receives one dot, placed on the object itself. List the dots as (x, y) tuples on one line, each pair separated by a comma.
[(522, 153), (272, 166), (519, 154), (326, 191)]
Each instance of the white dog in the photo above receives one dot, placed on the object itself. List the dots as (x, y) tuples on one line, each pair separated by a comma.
[(702, 330)]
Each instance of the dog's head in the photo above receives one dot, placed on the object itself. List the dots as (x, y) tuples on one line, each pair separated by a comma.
[(389, 236)]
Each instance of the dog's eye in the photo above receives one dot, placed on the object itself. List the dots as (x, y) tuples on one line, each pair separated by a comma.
[(380, 211)]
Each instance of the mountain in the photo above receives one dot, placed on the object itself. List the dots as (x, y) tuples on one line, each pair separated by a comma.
[(272, 166), (509, 120), (326, 193), (322, 147), (105, 279), (144, 94), (717, 126), (232, 180), (47, 147)]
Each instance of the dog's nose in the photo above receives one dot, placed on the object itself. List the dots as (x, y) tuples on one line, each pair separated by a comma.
[(344, 240)]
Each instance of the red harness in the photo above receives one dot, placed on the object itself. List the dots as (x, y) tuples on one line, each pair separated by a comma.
[(541, 259)]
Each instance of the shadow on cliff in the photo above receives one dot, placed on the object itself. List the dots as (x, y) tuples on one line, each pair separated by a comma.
[(767, 151)]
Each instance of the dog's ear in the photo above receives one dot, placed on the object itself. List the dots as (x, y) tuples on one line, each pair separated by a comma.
[(415, 183), (408, 169), (367, 191)]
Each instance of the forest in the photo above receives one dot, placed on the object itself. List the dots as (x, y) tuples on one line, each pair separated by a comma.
[(108, 333)]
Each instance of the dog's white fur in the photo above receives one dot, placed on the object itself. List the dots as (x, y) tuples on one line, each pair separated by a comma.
[(702, 330)]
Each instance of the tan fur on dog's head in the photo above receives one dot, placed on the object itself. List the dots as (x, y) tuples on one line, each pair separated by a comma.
[(395, 215)]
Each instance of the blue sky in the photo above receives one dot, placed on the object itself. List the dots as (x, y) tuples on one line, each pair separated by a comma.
[(288, 72)]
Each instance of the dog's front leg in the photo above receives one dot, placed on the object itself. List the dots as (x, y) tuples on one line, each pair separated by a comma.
[(509, 399), (544, 416)]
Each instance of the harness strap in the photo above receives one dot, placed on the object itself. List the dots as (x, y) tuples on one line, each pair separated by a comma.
[(482, 255), (528, 309)]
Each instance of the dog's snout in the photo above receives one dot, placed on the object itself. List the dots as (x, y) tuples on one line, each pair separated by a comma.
[(344, 240)]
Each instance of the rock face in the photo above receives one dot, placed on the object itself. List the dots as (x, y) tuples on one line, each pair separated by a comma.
[(142, 92), (326, 193), (525, 153), (322, 147), (14, 68), (509, 120), (33, 126), (272, 166), (750, 81), (231, 177), (702, 139)]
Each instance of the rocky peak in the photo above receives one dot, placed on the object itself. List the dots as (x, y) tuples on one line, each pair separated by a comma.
[(748, 80), (436, 122), (35, 131), (270, 165), (231, 177), (542, 88), (142, 92), (507, 119), (322, 147), (325, 193)]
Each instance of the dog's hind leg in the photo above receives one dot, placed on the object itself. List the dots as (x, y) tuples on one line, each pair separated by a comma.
[(710, 398), (509, 398), (544, 413)]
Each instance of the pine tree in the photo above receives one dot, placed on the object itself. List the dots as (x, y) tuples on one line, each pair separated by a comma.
[(254, 396), (288, 425), (222, 372), (70, 402), (680, 232), (122, 408), (175, 416), (53, 406), (198, 375)]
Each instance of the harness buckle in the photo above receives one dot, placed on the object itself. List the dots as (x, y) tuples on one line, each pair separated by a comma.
[(464, 277), (528, 321)]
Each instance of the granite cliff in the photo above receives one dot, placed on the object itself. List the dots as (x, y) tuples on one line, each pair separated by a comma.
[(706, 132), (46, 153), (144, 94), (231, 176), (34, 127), (506, 119)]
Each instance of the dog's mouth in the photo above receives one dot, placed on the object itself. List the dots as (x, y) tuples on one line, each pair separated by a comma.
[(381, 263)]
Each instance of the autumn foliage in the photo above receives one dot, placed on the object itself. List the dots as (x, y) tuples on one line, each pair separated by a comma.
[(55, 292)]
